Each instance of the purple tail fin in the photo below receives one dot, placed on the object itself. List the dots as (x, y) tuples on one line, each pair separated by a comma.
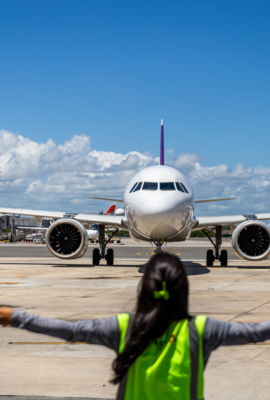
[(162, 145)]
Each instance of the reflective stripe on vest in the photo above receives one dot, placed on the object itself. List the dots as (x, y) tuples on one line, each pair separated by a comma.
[(171, 366)]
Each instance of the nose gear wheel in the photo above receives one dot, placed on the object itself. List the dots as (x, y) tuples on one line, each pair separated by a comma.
[(158, 244)]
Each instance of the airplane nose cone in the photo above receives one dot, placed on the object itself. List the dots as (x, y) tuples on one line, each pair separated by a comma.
[(155, 209), (169, 206), (161, 220)]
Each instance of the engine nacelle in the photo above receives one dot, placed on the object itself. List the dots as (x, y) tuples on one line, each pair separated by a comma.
[(251, 240), (119, 211), (67, 238)]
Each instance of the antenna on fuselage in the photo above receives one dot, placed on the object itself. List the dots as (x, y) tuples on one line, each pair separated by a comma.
[(161, 162)]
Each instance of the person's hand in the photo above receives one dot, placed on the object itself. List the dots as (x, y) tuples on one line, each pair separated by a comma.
[(5, 315)]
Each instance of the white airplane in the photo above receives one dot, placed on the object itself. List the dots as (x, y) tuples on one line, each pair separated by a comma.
[(159, 208)]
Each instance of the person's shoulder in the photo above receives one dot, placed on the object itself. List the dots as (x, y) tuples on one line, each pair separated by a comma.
[(124, 314), (214, 327), (124, 318)]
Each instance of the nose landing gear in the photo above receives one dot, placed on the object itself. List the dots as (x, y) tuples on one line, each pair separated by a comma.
[(101, 254), (222, 255), (158, 244)]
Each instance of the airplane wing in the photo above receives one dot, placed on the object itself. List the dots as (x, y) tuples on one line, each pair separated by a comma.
[(211, 200), (196, 201), (112, 220), (105, 198), (35, 228), (33, 213), (207, 222)]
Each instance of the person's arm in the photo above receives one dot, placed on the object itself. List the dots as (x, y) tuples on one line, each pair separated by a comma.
[(222, 333), (104, 331)]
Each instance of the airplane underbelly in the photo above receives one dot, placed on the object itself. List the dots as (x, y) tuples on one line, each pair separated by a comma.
[(154, 228)]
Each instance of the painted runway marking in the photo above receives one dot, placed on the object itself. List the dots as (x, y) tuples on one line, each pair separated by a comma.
[(152, 254), (145, 254)]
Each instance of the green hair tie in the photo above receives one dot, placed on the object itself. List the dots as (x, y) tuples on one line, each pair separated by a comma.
[(162, 293)]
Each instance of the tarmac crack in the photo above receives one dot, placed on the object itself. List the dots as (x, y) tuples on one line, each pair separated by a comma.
[(249, 311), (227, 361), (249, 276)]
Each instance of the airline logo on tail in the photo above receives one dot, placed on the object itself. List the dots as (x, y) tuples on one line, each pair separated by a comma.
[(111, 210), (161, 162)]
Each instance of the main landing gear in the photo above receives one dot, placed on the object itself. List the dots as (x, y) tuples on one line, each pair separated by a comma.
[(222, 255), (99, 254)]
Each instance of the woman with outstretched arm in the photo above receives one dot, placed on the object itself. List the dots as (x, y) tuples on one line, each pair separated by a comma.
[(161, 350)]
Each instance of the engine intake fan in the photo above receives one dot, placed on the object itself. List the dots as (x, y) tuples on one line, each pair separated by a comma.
[(251, 240), (67, 238)]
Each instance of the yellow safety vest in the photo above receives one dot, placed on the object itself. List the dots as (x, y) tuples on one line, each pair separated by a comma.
[(170, 368)]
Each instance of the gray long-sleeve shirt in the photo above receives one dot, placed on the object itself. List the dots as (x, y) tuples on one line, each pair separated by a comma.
[(105, 331)]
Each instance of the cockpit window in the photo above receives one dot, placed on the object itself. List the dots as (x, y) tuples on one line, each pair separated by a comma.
[(138, 187), (179, 187), (167, 186), (150, 186), (184, 187), (133, 187)]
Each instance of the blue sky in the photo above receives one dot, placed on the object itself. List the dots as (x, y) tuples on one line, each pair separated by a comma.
[(112, 69)]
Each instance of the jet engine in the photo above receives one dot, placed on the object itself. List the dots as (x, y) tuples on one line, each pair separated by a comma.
[(251, 240), (67, 238)]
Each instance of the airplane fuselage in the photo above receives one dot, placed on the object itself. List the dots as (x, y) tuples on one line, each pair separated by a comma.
[(92, 233), (160, 206)]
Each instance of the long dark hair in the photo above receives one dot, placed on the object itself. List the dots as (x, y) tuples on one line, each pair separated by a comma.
[(153, 315)]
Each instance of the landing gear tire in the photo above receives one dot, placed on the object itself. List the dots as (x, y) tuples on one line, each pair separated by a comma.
[(96, 256), (209, 258), (110, 257), (224, 258)]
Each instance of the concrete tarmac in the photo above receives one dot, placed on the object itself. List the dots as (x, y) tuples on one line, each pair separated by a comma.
[(40, 367), (194, 249)]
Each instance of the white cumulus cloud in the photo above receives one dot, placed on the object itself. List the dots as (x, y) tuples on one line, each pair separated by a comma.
[(61, 177)]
